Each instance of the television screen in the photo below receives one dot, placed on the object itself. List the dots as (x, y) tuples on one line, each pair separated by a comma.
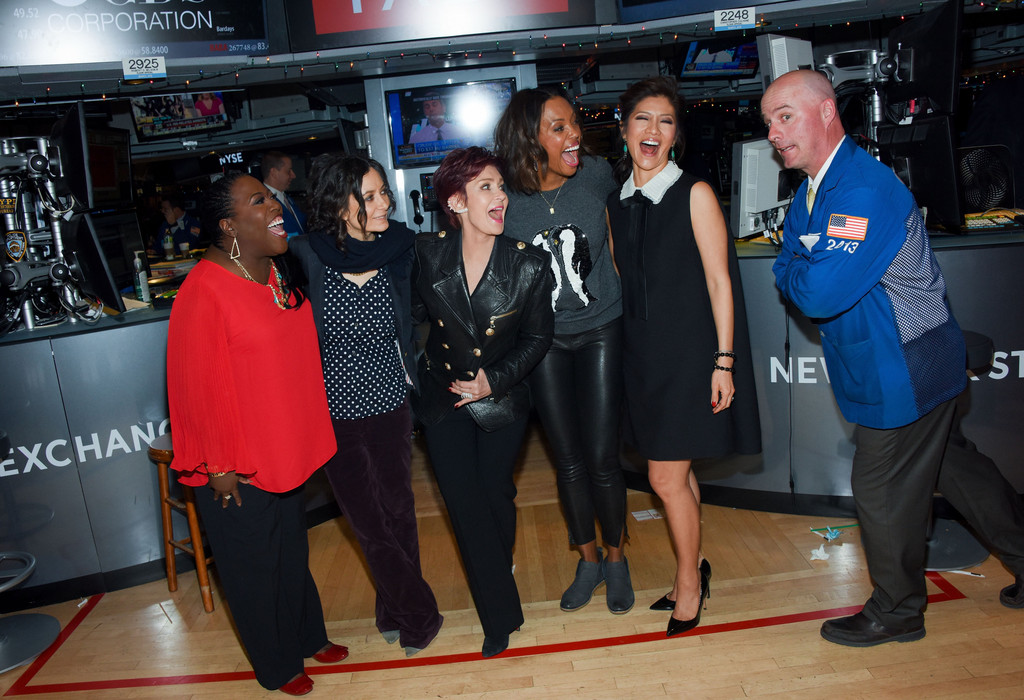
[(184, 114), (427, 123), (719, 59)]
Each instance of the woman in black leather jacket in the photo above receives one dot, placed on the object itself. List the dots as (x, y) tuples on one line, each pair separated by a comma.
[(488, 299)]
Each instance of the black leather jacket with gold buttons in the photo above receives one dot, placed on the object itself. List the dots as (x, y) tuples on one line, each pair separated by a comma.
[(505, 328)]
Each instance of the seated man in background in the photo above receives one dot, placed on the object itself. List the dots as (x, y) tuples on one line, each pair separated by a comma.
[(182, 226)]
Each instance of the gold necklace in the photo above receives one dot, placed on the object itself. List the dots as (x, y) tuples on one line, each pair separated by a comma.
[(551, 204), (278, 291), (358, 274)]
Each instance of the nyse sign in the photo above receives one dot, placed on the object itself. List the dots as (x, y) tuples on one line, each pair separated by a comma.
[(811, 369), (57, 453)]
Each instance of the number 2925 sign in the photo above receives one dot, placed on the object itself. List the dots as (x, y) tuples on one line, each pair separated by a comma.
[(144, 68)]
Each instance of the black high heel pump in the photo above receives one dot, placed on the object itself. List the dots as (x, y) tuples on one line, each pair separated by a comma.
[(666, 603), (676, 626)]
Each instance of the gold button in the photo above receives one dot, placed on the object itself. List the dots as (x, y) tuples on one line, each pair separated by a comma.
[(445, 346), (476, 351), (470, 374), (545, 233), (442, 234), (440, 322), (489, 331), (447, 366), (520, 245)]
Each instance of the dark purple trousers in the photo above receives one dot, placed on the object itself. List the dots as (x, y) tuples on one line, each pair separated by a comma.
[(371, 479)]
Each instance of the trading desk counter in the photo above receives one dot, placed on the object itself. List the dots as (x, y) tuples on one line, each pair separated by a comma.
[(81, 404)]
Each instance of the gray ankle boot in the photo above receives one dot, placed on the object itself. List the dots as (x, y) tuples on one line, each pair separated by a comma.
[(589, 575), (619, 588)]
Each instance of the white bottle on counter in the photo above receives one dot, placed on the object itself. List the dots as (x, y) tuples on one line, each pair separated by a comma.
[(141, 279)]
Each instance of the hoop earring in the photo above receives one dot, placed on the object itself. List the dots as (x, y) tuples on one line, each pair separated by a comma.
[(235, 253)]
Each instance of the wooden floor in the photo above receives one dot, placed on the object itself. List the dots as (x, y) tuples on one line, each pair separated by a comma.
[(758, 637)]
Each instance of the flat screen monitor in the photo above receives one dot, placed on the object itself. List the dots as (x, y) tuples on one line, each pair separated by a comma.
[(927, 50), (68, 136), (719, 59), (95, 162), (762, 188), (922, 156), (182, 114), (428, 123), (85, 256)]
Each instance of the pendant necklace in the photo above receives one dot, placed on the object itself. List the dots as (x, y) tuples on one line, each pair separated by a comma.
[(551, 204), (275, 276)]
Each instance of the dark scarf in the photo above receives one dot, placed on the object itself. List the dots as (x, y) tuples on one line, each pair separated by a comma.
[(360, 256)]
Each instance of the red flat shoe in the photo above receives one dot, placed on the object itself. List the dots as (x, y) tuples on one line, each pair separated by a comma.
[(331, 654), (300, 685)]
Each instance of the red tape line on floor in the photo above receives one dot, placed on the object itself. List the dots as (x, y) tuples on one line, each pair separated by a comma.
[(21, 687)]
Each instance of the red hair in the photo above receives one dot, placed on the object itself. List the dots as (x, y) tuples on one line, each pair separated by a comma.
[(457, 170)]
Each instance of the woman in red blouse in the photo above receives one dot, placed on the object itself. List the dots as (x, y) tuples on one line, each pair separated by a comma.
[(253, 425)]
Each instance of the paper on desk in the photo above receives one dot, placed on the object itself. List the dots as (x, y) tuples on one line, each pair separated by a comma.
[(133, 304)]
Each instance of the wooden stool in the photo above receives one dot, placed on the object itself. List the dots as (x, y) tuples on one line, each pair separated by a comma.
[(161, 452)]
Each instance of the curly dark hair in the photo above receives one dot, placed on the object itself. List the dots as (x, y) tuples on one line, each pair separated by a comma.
[(457, 169), (515, 138), (660, 86), (333, 179), (216, 205)]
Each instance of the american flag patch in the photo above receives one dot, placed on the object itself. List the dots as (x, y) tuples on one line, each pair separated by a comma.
[(853, 228)]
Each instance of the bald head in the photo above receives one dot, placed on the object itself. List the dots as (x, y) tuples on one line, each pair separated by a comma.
[(799, 109)]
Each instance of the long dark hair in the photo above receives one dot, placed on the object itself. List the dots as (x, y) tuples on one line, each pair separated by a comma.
[(216, 205), (660, 86), (334, 178), (515, 139), (457, 169)]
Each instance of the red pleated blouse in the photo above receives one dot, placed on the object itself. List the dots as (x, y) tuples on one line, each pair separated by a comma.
[(244, 384)]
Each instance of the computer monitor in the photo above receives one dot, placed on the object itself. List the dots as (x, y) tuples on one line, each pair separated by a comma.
[(927, 53), (85, 256), (922, 156), (779, 55), (762, 188)]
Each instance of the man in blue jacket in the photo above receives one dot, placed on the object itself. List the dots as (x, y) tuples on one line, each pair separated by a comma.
[(856, 259)]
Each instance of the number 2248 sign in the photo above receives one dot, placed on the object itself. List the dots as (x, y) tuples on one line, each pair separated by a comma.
[(736, 18)]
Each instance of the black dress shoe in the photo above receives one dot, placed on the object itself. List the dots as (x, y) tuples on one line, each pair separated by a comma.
[(677, 626), (1013, 596), (494, 645), (859, 631), (666, 603)]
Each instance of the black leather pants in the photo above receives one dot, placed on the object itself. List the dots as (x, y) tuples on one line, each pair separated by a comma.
[(577, 389)]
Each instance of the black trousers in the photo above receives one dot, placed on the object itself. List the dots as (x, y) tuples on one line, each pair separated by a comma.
[(577, 389), (261, 554), (371, 479), (474, 471), (895, 473)]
